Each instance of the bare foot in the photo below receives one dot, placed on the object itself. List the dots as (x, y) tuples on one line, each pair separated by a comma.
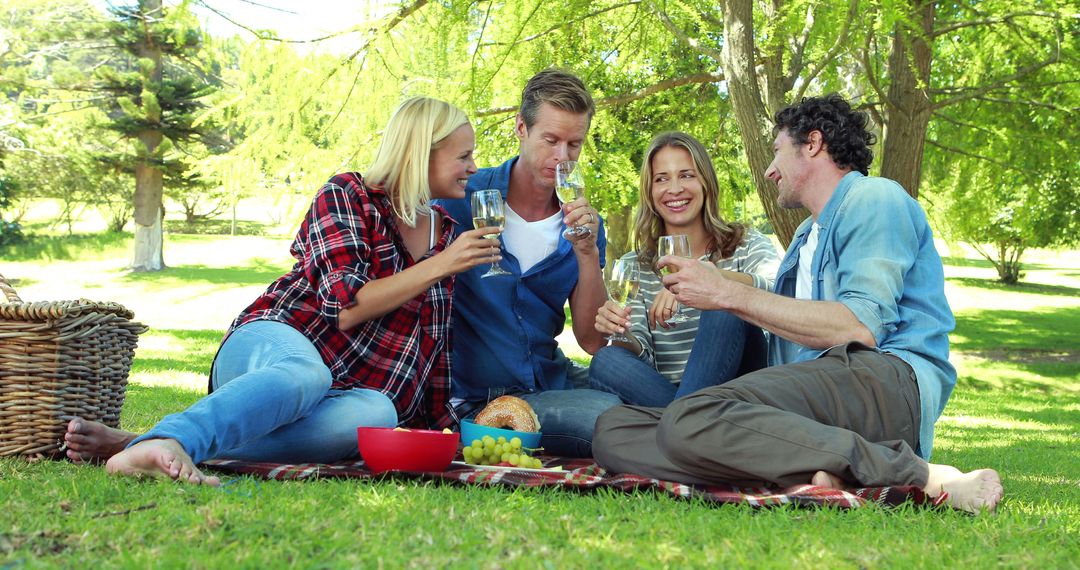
[(93, 441), (159, 457), (824, 479), (972, 492)]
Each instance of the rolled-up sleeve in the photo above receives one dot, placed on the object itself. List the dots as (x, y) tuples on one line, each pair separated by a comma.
[(873, 253), (761, 260), (338, 262)]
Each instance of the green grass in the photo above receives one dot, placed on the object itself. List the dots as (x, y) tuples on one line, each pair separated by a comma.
[(1016, 408)]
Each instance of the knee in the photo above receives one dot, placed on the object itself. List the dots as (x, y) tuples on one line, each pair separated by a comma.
[(305, 373), (370, 408), (681, 425), (602, 441), (604, 365)]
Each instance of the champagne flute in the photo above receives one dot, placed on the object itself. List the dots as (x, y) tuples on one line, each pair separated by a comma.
[(487, 211), (569, 186), (622, 286), (679, 246)]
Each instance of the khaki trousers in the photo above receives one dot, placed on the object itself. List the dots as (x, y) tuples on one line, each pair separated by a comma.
[(854, 412)]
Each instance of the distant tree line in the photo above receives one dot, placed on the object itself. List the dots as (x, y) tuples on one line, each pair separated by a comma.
[(974, 103)]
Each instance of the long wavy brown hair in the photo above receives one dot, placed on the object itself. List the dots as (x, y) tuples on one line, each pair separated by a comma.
[(724, 237)]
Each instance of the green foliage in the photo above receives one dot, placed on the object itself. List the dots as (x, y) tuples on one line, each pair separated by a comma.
[(1001, 172)]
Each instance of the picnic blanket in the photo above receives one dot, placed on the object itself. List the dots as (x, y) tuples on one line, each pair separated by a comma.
[(583, 474)]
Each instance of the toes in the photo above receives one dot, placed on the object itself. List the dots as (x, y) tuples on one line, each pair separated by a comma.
[(76, 440)]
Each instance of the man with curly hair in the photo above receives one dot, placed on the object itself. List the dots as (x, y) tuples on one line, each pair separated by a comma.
[(859, 345)]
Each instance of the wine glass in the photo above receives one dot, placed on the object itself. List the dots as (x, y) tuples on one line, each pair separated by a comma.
[(622, 286), (487, 208), (677, 245), (569, 186)]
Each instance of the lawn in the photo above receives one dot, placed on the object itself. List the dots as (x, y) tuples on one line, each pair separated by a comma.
[(1016, 408)]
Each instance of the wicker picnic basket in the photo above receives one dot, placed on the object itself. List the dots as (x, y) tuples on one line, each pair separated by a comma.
[(58, 360)]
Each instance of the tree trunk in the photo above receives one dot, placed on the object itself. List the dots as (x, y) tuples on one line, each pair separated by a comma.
[(907, 105), (617, 229), (750, 113), (149, 235)]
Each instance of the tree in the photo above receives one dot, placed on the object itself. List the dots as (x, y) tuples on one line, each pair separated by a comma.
[(1015, 187), (152, 108)]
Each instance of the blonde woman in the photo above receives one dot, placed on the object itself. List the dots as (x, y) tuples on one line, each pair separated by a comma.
[(661, 362), (356, 334)]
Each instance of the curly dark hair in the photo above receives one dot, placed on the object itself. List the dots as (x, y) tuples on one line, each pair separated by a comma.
[(843, 129)]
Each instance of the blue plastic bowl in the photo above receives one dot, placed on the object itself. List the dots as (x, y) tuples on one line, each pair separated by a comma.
[(471, 431)]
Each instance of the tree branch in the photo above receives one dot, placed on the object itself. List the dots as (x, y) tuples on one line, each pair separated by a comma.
[(841, 39), (1020, 73), (562, 24), (969, 154), (405, 11), (868, 66), (796, 63), (681, 35), (963, 124), (269, 36), (628, 97), (1008, 18)]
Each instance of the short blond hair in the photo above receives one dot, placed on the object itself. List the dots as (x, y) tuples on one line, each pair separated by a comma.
[(558, 88), (417, 127)]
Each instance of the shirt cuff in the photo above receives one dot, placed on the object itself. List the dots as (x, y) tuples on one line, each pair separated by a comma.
[(338, 292), (868, 314)]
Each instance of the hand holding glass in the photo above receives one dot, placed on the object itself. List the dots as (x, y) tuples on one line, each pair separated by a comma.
[(487, 211), (569, 186), (679, 246), (622, 286)]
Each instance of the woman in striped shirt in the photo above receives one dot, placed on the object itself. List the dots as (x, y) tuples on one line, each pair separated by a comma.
[(662, 362)]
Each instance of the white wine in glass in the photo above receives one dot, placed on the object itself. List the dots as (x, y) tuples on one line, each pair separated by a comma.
[(569, 186), (488, 212), (677, 245), (622, 284)]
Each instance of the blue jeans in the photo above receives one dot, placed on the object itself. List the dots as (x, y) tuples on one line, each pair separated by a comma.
[(272, 401), (725, 347), (567, 417)]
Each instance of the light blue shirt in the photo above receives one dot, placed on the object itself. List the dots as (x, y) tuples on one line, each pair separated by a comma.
[(504, 328), (876, 255)]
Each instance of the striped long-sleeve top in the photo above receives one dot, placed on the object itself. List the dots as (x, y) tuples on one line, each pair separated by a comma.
[(668, 349)]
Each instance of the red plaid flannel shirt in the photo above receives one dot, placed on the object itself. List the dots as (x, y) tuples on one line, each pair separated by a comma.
[(348, 238)]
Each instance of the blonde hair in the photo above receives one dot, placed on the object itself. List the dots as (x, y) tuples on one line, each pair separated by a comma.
[(417, 127), (724, 237), (558, 88)]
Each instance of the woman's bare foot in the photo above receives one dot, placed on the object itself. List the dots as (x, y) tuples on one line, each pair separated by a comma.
[(93, 441), (158, 457), (972, 492), (824, 479)]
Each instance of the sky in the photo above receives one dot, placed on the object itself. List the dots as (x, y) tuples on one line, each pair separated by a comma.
[(290, 19)]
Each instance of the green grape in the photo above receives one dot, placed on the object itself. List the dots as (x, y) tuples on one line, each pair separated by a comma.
[(515, 443), (515, 459), (502, 439), (467, 453)]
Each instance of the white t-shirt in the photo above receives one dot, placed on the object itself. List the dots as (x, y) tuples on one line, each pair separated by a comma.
[(531, 242), (803, 283)]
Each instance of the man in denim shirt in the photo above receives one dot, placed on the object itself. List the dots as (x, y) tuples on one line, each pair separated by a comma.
[(505, 327), (859, 343)]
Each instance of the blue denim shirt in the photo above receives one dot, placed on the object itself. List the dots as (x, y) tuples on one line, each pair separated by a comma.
[(504, 328), (876, 255)]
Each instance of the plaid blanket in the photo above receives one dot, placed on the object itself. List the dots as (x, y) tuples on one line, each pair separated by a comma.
[(583, 474)]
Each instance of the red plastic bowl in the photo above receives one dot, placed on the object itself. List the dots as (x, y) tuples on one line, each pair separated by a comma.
[(387, 449)]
